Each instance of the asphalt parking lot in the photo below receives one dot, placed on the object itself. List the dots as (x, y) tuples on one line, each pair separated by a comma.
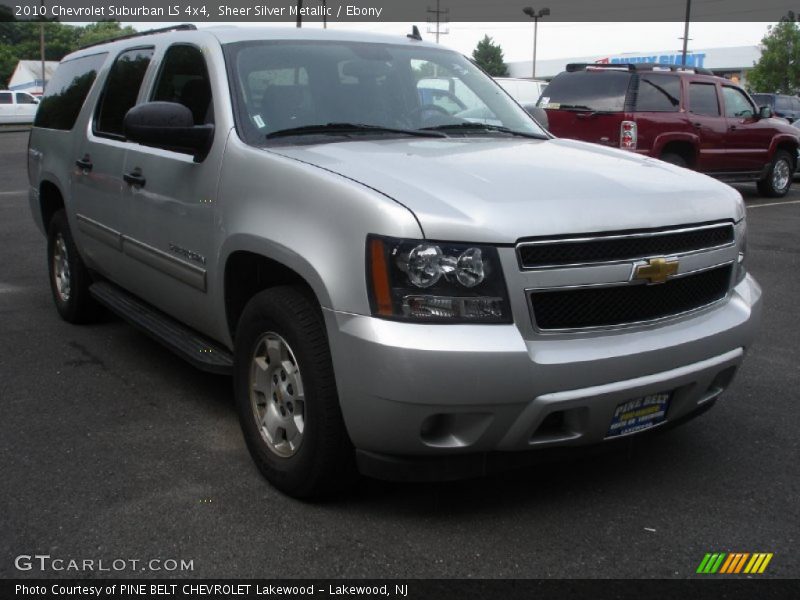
[(111, 447)]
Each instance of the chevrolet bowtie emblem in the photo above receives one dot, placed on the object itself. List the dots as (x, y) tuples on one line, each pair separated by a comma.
[(656, 270)]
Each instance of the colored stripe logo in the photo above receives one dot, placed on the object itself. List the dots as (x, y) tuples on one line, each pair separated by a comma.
[(734, 563)]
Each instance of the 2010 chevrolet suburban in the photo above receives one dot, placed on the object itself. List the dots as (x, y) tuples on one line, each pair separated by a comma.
[(395, 290)]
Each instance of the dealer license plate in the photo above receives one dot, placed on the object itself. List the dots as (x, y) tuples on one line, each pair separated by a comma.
[(639, 414)]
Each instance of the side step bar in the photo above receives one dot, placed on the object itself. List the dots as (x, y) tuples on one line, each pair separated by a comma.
[(190, 345)]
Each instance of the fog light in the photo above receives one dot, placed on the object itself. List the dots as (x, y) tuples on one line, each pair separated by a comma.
[(438, 307)]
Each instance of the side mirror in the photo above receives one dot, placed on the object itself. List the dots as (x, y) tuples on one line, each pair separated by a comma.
[(764, 112), (170, 126), (539, 114)]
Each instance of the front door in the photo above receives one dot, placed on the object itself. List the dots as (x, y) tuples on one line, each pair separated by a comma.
[(170, 199), (748, 138)]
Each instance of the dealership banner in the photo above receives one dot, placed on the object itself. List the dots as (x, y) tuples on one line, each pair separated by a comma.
[(397, 589), (413, 11)]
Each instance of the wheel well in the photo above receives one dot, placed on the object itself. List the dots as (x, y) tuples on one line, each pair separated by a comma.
[(246, 274), (50, 202), (791, 149), (683, 149)]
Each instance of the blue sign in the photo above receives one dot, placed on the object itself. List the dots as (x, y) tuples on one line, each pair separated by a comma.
[(692, 60)]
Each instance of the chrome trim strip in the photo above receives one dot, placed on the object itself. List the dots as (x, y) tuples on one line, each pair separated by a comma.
[(630, 324), (100, 232), (187, 273), (600, 238)]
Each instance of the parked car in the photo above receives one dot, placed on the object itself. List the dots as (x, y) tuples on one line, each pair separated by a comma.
[(783, 106), (17, 107), (687, 117), (524, 91), (395, 290)]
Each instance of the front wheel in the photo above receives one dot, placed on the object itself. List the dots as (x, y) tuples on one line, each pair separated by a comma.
[(286, 395), (779, 176)]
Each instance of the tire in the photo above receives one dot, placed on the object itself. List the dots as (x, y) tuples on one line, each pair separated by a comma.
[(674, 159), (69, 277), (779, 177), (285, 386)]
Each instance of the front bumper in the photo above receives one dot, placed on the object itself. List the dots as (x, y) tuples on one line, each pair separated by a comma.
[(413, 390)]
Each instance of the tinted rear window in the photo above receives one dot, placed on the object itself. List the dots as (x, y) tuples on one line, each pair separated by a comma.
[(703, 99), (587, 90), (658, 93), (67, 91)]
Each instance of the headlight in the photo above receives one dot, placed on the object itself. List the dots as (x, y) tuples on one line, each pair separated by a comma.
[(418, 280), (741, 263)]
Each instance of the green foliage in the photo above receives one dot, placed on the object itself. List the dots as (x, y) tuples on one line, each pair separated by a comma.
[(19, 40), (490, 57), (778, 69)]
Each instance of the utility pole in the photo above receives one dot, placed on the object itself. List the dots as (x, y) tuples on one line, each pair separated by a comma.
[(299, 15), (324, 14), (535, 16), (41, 45), (686, 31), (436, 19)]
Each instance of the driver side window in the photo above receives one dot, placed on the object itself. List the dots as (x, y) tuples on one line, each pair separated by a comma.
[(736, 103)]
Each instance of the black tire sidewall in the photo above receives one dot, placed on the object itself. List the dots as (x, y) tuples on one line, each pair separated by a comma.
[(80, 305), (268, 311), (765, 185)]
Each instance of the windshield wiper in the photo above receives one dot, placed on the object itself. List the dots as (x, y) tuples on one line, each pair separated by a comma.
[(485, 127), (580, 107), (344, 128)]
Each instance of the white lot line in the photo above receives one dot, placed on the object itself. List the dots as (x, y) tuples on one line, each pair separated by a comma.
[(773, 204)]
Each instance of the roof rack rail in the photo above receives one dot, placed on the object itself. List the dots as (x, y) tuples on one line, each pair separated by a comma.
[(572, 67), (182, 27)]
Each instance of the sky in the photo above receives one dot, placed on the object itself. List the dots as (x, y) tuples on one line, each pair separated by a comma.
[(563, 40)]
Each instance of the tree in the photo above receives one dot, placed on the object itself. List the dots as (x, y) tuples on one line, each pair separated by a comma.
[(19, 40), (490, 57), (778, 69)]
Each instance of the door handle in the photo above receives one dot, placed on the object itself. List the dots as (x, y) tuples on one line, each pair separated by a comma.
[(698, 125), (135, 177), (732, 127), (84, 163)]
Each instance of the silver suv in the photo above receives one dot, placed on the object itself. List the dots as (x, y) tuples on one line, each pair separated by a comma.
[(396, 290)]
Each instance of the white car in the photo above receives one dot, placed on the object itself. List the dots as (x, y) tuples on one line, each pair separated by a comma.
[(524, 91), (17, 107)]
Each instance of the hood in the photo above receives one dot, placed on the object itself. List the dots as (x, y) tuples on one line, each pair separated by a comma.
[(499, 190)]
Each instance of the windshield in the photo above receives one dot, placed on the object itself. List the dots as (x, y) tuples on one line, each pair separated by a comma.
[(602, 91), (307, 85)]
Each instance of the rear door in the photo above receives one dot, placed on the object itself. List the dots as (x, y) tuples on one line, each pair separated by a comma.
[(709, 124), (658, 111), (100, 158), (748, 139)]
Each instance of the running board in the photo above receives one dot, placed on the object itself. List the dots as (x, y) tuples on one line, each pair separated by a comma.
[(195, 348)]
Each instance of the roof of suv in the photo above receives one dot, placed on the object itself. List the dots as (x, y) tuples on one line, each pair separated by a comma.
[(230, 34)]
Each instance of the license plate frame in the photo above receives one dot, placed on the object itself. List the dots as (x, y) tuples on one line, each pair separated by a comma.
[(635, 415)]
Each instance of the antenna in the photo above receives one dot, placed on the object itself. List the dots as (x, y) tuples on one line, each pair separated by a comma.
[(414, 35)]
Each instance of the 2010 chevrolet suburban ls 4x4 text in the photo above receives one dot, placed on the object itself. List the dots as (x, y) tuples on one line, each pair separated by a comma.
[(396, 290)]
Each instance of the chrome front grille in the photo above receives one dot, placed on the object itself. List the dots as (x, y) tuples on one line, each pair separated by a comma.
[(622, 246), (574, 294)]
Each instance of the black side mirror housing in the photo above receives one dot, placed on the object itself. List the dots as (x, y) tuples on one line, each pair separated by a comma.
[(764, 112), (539, 114), (170, 126)]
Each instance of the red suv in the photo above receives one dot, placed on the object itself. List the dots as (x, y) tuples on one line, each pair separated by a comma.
[(684, 116)]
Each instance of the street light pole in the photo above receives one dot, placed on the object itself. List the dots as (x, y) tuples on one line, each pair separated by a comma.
[(686, 30), (535, 16), (41, 45)]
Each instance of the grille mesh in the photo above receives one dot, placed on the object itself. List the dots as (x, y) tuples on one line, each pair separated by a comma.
[(623, 248), (618, 305)]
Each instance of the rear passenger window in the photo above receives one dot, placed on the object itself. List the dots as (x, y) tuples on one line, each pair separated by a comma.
[(703, 99), (783, 103), (122, 88), (66, 92), (25, 99), (5, 98), (184, 79), (658, 93)]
